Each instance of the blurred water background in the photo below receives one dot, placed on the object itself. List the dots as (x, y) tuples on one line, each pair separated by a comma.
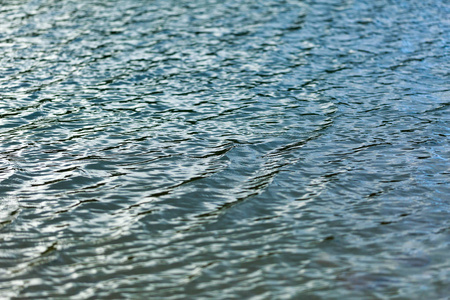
[(239, 149)]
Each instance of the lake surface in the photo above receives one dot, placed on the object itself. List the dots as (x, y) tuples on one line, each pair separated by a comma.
[(206, 149)]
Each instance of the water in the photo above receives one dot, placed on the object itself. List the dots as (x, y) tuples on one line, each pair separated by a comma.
[(224, 149)]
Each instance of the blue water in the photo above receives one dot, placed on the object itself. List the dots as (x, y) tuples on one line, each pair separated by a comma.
[(238, 149)]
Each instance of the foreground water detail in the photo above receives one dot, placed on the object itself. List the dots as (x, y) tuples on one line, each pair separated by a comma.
[(224, 149)]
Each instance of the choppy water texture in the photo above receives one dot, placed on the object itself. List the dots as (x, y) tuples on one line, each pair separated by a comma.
[(233, 149)]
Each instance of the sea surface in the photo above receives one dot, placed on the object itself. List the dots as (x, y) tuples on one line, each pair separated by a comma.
[(212, 149)]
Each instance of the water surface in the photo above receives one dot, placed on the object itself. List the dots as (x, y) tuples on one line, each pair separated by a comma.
[(224, 149)]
